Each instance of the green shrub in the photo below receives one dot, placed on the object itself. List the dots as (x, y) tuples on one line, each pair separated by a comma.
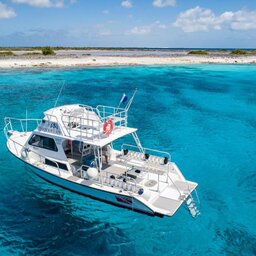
[(200, 52), (7, 53), (239, 52), (47, 51), (31, 53)]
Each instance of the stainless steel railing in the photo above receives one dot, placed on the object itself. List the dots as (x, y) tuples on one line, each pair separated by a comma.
[(88, 125), (20, 124), (105, 178)]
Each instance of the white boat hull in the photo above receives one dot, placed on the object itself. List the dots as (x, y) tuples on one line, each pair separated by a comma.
[(101, 195)]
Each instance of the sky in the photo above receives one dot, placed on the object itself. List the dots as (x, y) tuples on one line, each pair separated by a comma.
[(129, 23)]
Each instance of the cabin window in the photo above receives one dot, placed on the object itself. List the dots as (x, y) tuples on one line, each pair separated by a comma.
[(43, 142), (52, 163)]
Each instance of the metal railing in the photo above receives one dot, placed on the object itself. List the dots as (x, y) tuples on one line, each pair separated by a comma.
[(23, 124), (88, 122), (85, 127), (151, 152), (106, 178), (154, 161), (84, 121), (51, 119), (118, 115)]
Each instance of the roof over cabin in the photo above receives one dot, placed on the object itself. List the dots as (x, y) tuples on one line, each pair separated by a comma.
[(95, 126)]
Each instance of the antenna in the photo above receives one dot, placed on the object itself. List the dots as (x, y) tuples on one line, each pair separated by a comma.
[(130, 101), (63, 84), (26, 120)]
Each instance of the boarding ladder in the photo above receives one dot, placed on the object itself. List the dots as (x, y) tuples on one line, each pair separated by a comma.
[(191, 205)]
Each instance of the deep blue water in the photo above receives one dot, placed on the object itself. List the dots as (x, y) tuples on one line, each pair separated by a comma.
[(204, 115)]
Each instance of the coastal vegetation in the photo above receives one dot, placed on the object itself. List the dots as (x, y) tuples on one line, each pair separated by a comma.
[(31, 53), (239, 52), (199, 52), (48, 51), (57, 48), (145, 49), (7, 53)]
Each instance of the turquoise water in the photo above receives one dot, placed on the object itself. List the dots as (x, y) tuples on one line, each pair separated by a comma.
[(204, 115)]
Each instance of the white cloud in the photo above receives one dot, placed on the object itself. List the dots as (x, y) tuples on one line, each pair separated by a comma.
[(243, 20), (6, 12), (127, 4), (41, 3), (196, 19), (143, 30), (200, 19), (164, 3)]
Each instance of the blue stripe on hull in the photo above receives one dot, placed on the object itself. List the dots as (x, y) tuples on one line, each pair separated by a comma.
[(109, 197)]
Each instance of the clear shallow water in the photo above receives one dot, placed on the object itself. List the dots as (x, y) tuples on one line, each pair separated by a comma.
[(204, 115)]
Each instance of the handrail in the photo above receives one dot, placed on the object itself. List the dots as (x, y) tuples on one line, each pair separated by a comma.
[(92, 126), (108, 112), (74, 123), (197, 197), (157, 165), (48, 116), (111, 107), (174, 184), (22, 119), (8, 121), (148, 149), (89, 123), (100, 179)]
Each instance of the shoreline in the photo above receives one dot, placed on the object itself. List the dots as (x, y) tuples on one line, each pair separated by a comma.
[(70, 60)]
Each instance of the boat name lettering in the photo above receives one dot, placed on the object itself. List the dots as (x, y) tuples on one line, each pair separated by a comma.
[(50, 127)]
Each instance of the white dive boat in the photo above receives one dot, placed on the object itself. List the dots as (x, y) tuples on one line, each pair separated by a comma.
[(72, 147)]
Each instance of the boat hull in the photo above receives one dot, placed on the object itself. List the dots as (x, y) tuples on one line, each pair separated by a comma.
[(116, 199)]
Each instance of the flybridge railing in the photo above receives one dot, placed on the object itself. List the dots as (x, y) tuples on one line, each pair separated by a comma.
[(51, 124), (48, 124), (82, 126), (118, 115), (20, 124), (88, 122)]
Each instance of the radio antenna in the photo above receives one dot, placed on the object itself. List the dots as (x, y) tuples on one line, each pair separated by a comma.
[(61, 89), (26, 120)]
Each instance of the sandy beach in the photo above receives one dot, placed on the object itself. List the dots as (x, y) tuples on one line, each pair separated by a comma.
[(96, 58)]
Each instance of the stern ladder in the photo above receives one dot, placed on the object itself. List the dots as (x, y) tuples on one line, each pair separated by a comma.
[(191, 206)]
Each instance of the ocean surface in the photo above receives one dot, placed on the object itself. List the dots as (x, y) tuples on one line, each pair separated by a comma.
[(204, 115)]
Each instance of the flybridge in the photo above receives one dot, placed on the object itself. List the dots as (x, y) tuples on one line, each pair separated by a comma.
[(89, 123), (97, 126)]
